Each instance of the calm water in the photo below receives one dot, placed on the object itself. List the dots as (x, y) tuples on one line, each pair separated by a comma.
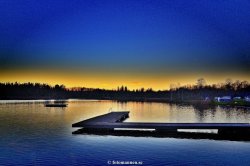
[(32, 134)]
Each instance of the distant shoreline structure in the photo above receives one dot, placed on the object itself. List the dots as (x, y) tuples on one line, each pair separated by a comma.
[(196, 94)]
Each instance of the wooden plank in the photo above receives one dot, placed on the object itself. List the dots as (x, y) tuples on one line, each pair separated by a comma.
[(111, 117), (114, 120)]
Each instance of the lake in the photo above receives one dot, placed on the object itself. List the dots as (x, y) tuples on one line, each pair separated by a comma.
[(32, 134)]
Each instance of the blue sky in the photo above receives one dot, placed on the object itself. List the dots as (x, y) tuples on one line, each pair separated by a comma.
[(127, 36)]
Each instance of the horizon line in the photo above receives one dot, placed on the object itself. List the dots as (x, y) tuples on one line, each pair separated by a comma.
[(175, 85)]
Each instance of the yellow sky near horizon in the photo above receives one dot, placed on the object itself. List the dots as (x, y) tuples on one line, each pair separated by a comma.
[(111, 80)]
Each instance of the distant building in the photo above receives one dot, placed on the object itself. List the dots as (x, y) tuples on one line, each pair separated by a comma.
[(237, 98), (223, 99), (216, 99), (247, 99)]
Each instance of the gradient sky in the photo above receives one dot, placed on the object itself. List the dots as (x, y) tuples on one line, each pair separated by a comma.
[(138, 43)]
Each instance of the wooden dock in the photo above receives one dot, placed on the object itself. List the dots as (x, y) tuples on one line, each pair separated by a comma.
[(114, 120), (106, 120)]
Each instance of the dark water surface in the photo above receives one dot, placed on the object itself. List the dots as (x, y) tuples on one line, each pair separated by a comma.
[(32, 134)]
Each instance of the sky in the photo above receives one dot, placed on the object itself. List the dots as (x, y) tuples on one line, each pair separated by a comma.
[(137, 43)]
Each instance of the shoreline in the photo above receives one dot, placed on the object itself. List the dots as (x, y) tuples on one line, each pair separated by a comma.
[(147, 100)]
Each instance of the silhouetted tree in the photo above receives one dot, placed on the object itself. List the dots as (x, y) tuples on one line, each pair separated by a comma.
[(201, 82)]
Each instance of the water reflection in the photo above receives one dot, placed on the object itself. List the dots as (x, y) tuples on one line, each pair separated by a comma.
[(33, 134), (78, 110)]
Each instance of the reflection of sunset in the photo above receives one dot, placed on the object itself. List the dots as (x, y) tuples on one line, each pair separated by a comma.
[(79, 110)]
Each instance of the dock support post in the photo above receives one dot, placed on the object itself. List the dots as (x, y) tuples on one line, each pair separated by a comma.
[(166, 131), (234, 132)]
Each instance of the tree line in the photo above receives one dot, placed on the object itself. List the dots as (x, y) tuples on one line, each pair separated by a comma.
[(176, 93), (201, 90)]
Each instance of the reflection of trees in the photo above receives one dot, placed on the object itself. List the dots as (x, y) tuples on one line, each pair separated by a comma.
[(122, 105), (240, 114), (201, 110), (202, 107)]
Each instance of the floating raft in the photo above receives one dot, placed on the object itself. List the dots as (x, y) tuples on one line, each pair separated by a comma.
[(114, 120)]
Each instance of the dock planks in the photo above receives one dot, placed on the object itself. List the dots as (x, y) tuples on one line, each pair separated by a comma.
[(106, 119), (114, 120)]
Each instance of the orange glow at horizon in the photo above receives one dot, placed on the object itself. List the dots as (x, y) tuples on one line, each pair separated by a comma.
[(108, 80)]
